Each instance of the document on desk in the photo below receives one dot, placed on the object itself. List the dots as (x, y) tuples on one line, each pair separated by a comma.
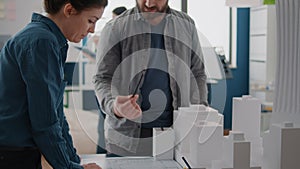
[(129, 162), (141, 163)]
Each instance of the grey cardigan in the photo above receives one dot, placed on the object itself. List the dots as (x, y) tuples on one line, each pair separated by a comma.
[(123, 52)]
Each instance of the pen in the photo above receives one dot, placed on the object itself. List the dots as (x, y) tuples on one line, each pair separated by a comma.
[(186, 163), (137, 86)]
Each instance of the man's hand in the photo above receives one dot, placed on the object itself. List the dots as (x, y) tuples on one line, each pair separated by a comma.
[(126, 106), (91, 166)]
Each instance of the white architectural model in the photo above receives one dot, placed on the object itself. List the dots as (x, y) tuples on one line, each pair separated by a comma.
[(235, 153), (282, 143), (246, 115), (205, 137), (202, 142), (281, 147), (196, 139), (287, 91), (163, 143)]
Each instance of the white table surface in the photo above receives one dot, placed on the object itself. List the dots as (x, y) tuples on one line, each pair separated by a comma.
[(129, 162)]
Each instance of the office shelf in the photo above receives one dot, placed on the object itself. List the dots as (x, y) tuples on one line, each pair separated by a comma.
[(262, 54)]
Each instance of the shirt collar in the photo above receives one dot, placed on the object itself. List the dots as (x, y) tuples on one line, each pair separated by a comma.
[(52, 26)]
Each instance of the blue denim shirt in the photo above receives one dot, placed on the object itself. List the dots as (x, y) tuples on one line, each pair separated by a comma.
[(31, 95)]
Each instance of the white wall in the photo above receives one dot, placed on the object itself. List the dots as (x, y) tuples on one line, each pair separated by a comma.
[(212, 20), (23, 12), (211, 17), (24, 9)]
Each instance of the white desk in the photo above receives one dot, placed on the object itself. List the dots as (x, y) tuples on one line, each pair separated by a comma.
[(129, 162)]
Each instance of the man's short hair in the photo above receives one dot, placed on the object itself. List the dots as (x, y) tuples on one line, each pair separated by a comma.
[(119, 10)]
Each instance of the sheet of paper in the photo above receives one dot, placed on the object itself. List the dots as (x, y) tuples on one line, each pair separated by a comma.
[(140, 163), (129, 162)]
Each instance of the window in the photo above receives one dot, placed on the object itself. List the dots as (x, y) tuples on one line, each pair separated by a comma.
[(217, 23)]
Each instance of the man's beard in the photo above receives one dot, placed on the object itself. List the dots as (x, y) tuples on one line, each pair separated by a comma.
[(149, 15)]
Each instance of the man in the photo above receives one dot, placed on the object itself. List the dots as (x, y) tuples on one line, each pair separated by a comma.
[(149, 64), (118, 11)]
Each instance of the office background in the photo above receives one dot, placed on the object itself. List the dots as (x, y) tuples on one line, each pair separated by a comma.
[(19, 15)]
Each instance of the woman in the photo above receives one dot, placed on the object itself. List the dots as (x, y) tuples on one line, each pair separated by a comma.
[(32, 121)]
